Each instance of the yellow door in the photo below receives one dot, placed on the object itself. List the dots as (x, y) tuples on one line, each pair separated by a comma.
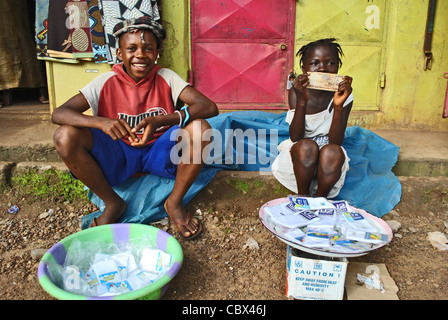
[(359, 26)]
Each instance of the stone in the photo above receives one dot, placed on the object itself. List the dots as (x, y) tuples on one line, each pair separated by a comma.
[(394, 225), (44, 215), (38, 253)]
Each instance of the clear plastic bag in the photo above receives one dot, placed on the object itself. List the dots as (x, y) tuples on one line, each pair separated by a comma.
[(97, 268)]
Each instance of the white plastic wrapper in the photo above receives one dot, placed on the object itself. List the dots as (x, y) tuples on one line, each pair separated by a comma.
[(366, 237), (316, 238), (342, 205), (327, 219), (311, 203), (355, 220), (295, 235), (99, 269), (154, 260), (106, 271), (287, 215)]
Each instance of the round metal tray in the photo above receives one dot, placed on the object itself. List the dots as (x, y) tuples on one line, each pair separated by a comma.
[(279, 232)]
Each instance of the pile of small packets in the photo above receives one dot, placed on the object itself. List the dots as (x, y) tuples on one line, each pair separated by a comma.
[(324, 224), (99, 269)]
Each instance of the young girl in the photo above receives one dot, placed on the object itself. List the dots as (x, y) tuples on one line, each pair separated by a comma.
[(313, 162)]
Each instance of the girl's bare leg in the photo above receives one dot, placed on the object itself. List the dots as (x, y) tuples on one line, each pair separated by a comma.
[(331, 159), (305, 155)]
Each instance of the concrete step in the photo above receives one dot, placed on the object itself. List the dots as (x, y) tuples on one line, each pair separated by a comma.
[(27, 136), (421, 153)]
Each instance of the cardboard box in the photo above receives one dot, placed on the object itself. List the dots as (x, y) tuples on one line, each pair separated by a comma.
[(357, 291), (312, 277)]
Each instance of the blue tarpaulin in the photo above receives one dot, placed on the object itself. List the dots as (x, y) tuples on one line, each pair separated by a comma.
[(247, 141)]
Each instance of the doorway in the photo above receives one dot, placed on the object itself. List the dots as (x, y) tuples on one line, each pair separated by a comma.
[(242, 51)]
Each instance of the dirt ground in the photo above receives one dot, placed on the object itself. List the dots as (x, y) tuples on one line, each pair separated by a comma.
[(218, 266)]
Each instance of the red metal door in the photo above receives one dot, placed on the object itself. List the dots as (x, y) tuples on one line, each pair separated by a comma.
[(242, 51)]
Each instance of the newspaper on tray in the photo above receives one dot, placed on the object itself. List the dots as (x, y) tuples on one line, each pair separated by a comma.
[(323, 224)]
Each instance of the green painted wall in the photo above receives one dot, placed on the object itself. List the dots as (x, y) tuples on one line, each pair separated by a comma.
[(175, 19), (412, 98)]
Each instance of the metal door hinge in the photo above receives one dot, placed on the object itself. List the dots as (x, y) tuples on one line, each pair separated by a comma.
[(382, 80)]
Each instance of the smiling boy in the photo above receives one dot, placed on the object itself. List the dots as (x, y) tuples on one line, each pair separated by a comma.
[(134, 113)]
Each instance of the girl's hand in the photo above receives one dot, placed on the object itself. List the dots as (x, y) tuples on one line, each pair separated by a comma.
[(299, 86), (344, 91)]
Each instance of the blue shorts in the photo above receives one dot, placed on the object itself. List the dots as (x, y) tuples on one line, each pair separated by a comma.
[(119, 161)]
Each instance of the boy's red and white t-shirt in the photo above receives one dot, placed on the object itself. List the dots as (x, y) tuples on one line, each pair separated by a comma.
[(115, 95)]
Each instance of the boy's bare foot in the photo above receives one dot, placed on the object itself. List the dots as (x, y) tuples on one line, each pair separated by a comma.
[(188, 226), (110, 214)]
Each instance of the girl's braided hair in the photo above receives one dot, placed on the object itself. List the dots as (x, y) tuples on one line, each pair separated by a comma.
[(329, 42)]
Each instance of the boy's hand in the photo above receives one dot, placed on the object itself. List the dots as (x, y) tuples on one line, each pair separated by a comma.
[(150, 126), (299, 86), (118, 129), (344, 91)]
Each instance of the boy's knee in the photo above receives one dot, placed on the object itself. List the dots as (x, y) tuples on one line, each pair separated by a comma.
[(66, 137), (199, 130), (197, 126), (61, 136)]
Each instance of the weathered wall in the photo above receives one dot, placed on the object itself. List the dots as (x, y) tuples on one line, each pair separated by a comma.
[(175, 19), (412, 98)]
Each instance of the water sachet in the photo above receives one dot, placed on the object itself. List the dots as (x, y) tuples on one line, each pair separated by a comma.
[(342, 205), (327, 219), (154, 260), (311, 203), (287, 215), (295, 235), (316, 238), (355, 220), (367, 237)]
